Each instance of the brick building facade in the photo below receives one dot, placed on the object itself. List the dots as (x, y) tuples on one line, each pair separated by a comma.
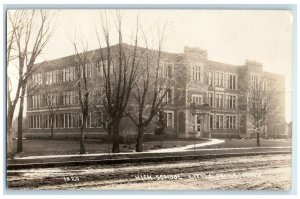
[(211, 103)]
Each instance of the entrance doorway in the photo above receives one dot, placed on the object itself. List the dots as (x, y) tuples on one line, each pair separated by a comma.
[(198, 123)]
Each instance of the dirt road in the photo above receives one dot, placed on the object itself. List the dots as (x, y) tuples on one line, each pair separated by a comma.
[(268, 172)]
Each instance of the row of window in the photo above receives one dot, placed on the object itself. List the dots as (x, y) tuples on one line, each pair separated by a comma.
[(68, 74), (74, 120), (64, 98), (218, 121), (255, 81), (230, 100), (67, 120), (95, 120), (221, 79)]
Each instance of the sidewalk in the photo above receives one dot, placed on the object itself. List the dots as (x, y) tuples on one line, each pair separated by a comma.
[(189, 147), (139, 157)]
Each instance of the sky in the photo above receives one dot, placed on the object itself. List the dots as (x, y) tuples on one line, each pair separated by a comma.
[(229, 36)]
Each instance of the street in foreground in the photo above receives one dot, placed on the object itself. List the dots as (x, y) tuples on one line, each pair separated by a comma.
[(267, 172)]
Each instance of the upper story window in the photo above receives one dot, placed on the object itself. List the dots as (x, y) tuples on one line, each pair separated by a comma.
[(168, 95), (36, 101), (69, 98), (166, 70), (52, 99), (99, 67), (265, 85), (255, 82), (37, 79), (52, 77), (230, 81), (219, 100), (210, 78), (197, 99), (68, 74), (210, 99), (197, 72), (231, 101), (219, 79)]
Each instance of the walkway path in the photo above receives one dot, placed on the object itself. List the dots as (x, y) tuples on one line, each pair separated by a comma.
[(188, 147)]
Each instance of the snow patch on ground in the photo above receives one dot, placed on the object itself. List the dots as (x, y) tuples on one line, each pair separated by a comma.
[(188, 147)]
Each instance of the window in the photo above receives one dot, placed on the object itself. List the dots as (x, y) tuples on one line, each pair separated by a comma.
[(166, 70), (36, 101), (197, 99), (265, 86), (211, 123), (230, 122), (255, 81), (88, 69), (210, 78), (47, 121), (35, 122), (168, 95), (169, 71), (230, 81), (69, 120), (219, 121), (69, 98), (68, 74), (52, 99), (197, 73), (211, 99), (231, 101), (49, 77), (88, 121), (169, 119), (37, 79), (52, 77), (219, 79), (99, 67), (219, 100)]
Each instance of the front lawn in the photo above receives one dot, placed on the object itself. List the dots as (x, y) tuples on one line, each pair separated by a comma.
[(66, 147)]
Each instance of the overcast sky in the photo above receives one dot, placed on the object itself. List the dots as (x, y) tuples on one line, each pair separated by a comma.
[(229, 36)]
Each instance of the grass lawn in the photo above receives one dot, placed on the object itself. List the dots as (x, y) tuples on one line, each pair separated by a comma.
[(66, 147), (238, 143)]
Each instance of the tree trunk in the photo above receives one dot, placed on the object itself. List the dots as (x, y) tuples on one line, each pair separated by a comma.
[(9, 138), (51, 126), (257, 139), (116, 139), (10, 118), (139, 141), (82, 146), (20, 122)]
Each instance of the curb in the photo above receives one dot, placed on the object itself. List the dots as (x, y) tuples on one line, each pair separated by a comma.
[(138, 160)]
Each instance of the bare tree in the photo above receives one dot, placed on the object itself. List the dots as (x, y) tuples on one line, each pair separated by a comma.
[(53, 104), (257, 105), (82, 87), (153, 90), (119, 72), (31, 31)]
